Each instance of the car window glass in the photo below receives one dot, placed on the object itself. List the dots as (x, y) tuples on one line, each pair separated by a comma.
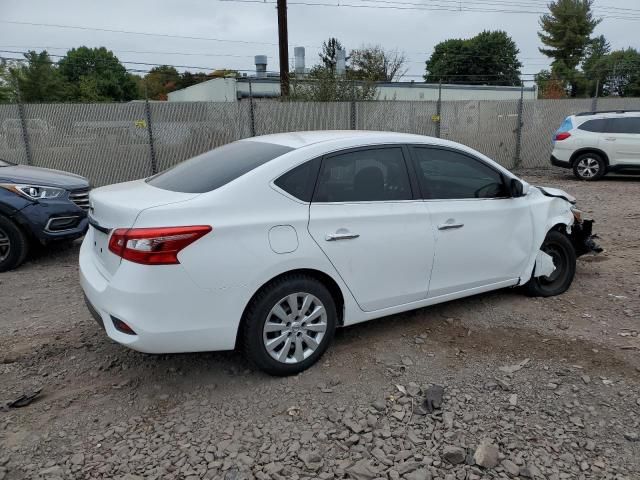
[(597, 125), (217, 167), (364, 176), (300, 180), (623, 125), (446, 174)]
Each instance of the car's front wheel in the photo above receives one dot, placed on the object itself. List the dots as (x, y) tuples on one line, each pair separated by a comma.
[(13, 245), (589, 166), (559, 247), (289, 325)]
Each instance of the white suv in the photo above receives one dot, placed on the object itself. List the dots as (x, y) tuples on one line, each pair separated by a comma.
[(595, 143)]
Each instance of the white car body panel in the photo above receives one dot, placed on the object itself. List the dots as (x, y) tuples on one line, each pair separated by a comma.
[(403, 227), (401, 261)]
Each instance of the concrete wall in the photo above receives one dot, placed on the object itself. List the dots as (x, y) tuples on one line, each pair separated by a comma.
[(429, 92)]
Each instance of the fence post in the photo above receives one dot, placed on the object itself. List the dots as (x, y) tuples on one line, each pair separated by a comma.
[(594, 102), (353, 105), (439, 110), (516, 158), (25, 130), (152, 149), (252, 118)]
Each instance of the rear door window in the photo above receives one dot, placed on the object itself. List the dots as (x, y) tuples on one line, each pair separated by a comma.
[(217, 167), (624, 125), (598, 125), (368, 175)]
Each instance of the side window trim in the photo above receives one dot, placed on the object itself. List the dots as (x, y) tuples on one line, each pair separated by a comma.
[(415, 194), (414, 158)]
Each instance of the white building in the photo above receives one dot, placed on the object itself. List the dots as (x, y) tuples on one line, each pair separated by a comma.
[(264, 86), (234, 89)]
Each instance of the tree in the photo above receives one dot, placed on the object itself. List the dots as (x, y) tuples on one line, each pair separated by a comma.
[(377, 65), (323, 85), (566, 35), (597, 49), (620, 71), (97, 75), (7, 83), (38, 79), (488, 58), (329, 53), (549, 87), (160, 81)]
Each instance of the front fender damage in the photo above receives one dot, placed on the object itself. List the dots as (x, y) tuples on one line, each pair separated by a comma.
[(583, 239)]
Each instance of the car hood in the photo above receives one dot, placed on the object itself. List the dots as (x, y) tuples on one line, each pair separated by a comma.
[(557, 193), (42, 176)]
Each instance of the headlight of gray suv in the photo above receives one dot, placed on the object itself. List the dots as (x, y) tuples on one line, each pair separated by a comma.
[(34, 192)]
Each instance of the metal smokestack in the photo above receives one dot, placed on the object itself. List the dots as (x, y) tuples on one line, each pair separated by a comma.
[(299, 60), (341, 62), (261, 66)]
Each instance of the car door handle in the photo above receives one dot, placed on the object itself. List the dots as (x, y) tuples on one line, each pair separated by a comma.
[(450, 226), (332, 237), (610, 139)]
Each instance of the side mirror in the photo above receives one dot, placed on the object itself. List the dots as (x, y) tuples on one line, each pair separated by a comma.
[(516, 188)]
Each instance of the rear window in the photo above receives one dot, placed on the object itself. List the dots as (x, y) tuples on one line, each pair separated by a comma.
[(566, 126), (217, 167), (598, 125)]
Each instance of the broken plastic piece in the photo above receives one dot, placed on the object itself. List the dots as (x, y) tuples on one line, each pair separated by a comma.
[(544, 265)]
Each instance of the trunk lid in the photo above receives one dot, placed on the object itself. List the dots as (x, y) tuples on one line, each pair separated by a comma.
[(118, 206)]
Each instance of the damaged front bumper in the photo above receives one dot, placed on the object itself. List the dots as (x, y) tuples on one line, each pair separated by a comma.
[(583, 239)]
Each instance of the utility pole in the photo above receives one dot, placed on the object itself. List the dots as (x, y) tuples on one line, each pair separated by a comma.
[(283, 41)]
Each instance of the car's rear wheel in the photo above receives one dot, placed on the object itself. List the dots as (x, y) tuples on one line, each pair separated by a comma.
[(589, 166), (13, 245), (561, 250), (289, 325)]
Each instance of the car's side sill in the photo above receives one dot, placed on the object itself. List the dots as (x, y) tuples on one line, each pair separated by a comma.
[(357, 317)]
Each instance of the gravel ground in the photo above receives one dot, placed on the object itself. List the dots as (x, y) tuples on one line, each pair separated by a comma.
[(533, 388)]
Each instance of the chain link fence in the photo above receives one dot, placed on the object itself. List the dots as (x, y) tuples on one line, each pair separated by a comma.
[(111, 143)]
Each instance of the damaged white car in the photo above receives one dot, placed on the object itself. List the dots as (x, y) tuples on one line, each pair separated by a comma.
[(271, 243)]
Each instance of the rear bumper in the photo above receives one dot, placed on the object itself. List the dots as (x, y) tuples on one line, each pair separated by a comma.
[(167, 311), (559, 163)]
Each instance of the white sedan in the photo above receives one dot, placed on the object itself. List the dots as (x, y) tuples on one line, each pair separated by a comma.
[(271, 243)]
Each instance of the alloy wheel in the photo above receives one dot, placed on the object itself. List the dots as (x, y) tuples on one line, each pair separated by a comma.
[(294, 328), (5, 245), (588, 167)]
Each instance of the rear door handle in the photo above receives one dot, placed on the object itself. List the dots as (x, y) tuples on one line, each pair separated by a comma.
[(450, 226), (332, 237), (610, 139)]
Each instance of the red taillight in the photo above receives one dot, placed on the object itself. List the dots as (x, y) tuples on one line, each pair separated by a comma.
[(562, 136), (154, 246)]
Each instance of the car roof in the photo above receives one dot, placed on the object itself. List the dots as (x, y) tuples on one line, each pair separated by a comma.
[(303, 139), (584, 116)]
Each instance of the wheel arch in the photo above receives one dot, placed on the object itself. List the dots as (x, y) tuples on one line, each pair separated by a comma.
[(322, 277), (582, 151)]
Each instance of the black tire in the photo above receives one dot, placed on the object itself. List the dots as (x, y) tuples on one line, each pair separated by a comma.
[(13, 254), (254, 319), (561, 249), (589, 167)]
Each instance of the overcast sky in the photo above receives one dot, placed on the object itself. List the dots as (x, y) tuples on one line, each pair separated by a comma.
[(252, 28)]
